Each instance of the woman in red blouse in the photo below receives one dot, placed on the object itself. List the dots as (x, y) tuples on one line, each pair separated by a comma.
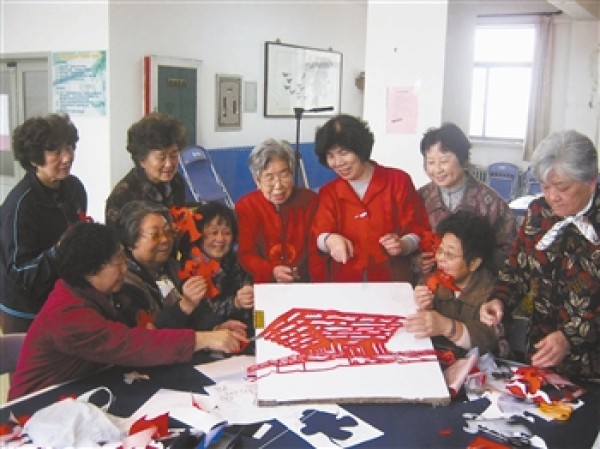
[(274, 220), (370, 219)]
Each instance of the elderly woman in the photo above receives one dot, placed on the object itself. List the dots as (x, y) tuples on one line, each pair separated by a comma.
[(452, 317), (152, 289), (445, 153), (154, 143), (370, 219), (274, 220), (555, 258), (35, 214), (234, 295), (80, 329)]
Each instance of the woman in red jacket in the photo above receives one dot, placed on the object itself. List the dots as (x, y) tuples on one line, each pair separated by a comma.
[(370, 219), (275, 220)]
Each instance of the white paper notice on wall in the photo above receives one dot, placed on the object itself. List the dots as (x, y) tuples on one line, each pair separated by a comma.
[(402, 110), (341, 343)]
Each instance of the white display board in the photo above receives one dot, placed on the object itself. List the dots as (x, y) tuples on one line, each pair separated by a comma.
[(319, 376)]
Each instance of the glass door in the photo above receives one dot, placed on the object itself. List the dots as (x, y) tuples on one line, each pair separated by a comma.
[(24, 93)]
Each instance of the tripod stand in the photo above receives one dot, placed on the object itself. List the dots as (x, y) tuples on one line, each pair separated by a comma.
[(299, 162)]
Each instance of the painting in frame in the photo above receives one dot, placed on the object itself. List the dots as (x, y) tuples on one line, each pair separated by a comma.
[(301, 77)]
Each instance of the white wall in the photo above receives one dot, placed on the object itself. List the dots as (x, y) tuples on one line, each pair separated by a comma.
[(229, 39), (46, 27), (405, 48)]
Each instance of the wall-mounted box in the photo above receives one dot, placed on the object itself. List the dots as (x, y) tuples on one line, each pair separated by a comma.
[(228, 103)]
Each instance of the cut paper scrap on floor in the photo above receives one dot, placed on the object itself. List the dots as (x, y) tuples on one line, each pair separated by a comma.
[(326, 339)]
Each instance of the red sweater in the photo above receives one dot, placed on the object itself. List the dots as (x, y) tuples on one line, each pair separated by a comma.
[(390, 205), (76, 332), (264, 230)]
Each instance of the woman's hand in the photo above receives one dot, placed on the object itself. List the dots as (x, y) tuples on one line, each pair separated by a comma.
[(224, 340), (244, 298), (285, 274), (423, 297), (339, 247), (491, 312), (428, 323), (392, 243), (551, 350), (233, 325), (194, 290), (426, 262)]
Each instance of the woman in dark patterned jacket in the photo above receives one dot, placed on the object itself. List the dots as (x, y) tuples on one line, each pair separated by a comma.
[(556, 258), (154, 143), (445, 153)]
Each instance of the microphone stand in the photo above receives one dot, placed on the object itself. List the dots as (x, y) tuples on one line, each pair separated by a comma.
[(299, 162)]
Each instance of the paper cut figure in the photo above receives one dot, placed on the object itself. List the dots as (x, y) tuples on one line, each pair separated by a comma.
[(201, 265), (328, 424), (440, 277), (185, 221)]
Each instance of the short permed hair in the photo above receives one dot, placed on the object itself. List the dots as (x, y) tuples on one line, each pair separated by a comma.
[(344, 131), (39, 134), (215, 209), (451, 138), (155, 131), (475, 234), (84, 250), (128, 225), (267, 151)]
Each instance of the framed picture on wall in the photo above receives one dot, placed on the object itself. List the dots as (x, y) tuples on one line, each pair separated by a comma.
[(301, 77), (171, 86)]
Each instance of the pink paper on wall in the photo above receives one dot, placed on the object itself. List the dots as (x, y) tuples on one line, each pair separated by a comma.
[(402, 110)]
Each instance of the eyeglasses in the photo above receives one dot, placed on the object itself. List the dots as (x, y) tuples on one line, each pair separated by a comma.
[(66, 150), (161, 156), (156, 236), (447, 254), (270, 179)]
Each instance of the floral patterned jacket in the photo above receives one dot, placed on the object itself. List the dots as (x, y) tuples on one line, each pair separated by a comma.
[(564, 281), (482, 200)]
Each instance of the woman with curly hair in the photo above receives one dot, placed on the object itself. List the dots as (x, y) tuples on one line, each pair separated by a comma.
[(35, 214), (154, 143)]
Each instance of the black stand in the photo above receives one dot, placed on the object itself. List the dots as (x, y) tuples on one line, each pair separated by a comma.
[(299, 162)]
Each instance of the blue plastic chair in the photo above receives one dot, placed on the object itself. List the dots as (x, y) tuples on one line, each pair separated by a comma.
[(504, 178), (531, 186), (203, 182)]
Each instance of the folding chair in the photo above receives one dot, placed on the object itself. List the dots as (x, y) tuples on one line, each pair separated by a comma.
[(203, 182), (531, 186), (504, 178)]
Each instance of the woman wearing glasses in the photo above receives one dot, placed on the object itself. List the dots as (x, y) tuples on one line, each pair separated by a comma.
[(153, 295), (452, 317), (275, 219), (35, 214), (81, 328), (154, 143)]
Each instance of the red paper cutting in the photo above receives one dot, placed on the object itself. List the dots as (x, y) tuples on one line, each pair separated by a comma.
[(430, 242), (160, 423), (203, 266), (440, 277), (326, 339), (185, 221)]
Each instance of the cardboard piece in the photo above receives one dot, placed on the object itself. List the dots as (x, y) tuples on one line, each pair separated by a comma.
[(341, 343)]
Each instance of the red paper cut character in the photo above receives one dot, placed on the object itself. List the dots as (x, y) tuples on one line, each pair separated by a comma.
[(185, 221), (200, 265), (440, 277), (282, 254)]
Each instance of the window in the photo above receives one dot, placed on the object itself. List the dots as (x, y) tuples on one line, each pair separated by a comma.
[(501, 86)]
